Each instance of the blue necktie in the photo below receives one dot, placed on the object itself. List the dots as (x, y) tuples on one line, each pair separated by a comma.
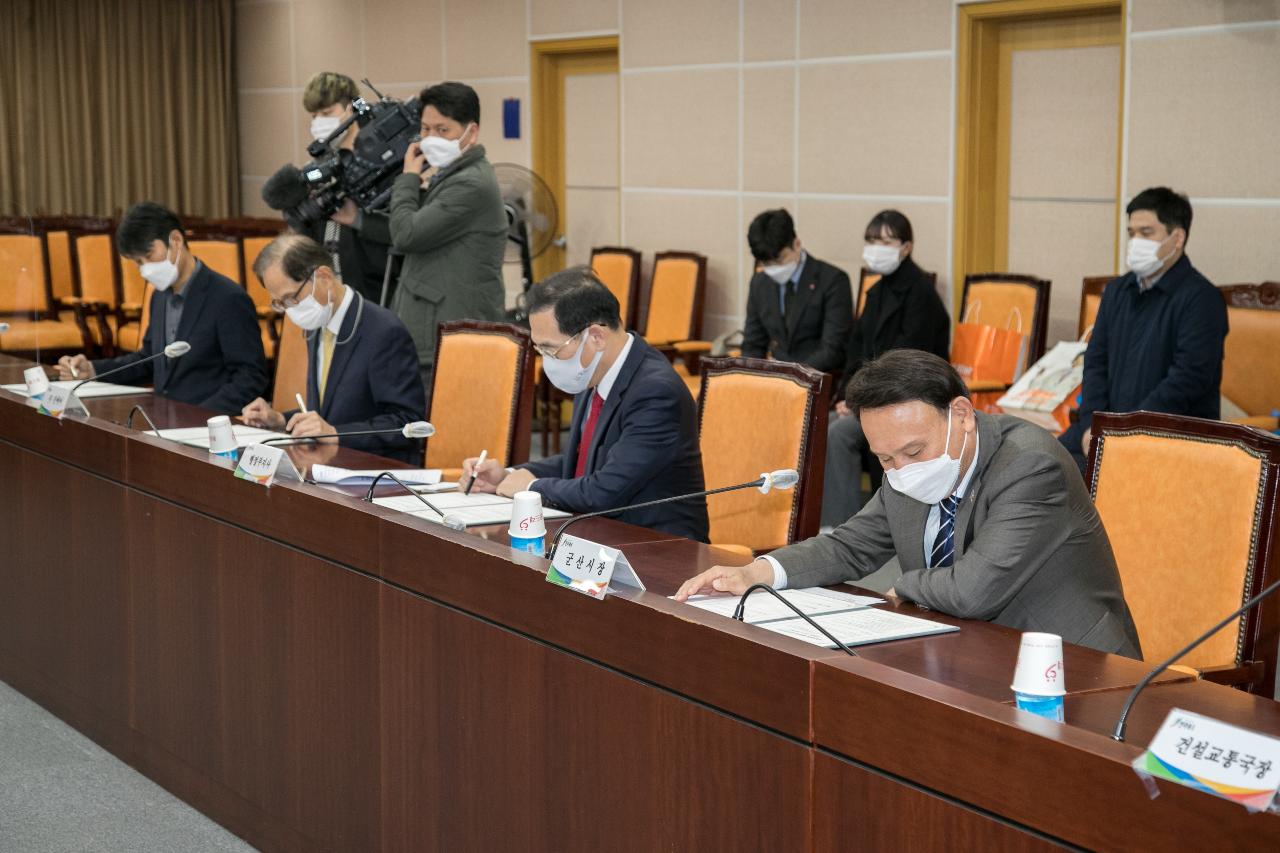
[(944, 545)]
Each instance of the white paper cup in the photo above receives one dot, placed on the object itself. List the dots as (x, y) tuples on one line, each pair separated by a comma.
[(1040, 671), (221, 437), (37, 381), (526, 516)]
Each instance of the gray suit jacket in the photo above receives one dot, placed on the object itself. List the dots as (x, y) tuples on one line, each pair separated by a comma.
[(1031, 552)]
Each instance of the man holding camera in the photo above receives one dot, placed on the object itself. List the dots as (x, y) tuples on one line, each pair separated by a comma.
[(446, 216)]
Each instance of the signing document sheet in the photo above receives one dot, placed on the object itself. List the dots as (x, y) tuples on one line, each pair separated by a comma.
[(199, 436), (473, 510), (357, 477), (90, 389), (762, 607)]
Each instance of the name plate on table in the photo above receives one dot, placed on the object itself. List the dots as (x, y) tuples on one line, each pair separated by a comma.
[(1211, 756), (262, 464), (57, 401), (588, 567)]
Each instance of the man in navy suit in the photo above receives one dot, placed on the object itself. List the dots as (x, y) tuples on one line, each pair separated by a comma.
[(634, 436), (362, 367), (226, 367)]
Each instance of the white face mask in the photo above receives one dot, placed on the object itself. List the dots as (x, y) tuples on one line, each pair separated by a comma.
[(440, 152), (933, 479), (881, 259), (780, 272), (568, 374), (322, 126), (1143, 256), (309, 314), (161, 274)]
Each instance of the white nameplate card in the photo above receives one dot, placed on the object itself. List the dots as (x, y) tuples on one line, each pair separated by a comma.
[(262, 464), (1211, 756), (57, 401), (588, 567)]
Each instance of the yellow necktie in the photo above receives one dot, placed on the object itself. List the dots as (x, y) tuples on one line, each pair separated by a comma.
[(326, 349)]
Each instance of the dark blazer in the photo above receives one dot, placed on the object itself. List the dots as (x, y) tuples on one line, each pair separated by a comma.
[(224, 370), (1033, 555), (902, 311), (373, 382), (645, 447), (817, 331)]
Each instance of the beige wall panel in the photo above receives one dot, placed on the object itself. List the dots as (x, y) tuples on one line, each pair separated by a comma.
[(486, 39), (327, 36), (706, 224), (768, 29), (876, 127), (841, 28), (266, 132), (682, 129), (591, 130), (1064, 127), (1213, 131), (402, 41), (264, 34), (1167, 14), (768, 147), (679, 32), (591, 219), (1236, 245), (497, 149), (251, 203), (572, 16), (1063, 242)]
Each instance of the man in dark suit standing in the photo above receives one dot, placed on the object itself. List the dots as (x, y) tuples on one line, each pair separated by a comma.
[(226, 367), (798, 307), (362, 367), (634, 436)]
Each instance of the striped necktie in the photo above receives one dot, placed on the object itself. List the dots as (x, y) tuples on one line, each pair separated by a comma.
[(944, 545)]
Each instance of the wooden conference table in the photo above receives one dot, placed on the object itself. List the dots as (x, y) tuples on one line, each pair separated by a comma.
[(318, 673)]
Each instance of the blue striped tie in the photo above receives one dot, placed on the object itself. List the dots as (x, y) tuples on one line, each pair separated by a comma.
[(944, 546)]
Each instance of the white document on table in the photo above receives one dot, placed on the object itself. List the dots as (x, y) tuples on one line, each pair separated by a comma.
[(363, 477), (762, 607), (473, 510), (858, 627), (88, 390), (199, 436)]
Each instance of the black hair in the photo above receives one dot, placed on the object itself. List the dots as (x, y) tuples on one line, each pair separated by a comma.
[(904, 376), (454, 100), (1171, 208), (770, 233), (143, 224), (298, 255), (578, 298), (898, 226)]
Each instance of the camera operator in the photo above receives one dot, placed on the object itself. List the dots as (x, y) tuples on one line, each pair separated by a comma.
[(362, 256), (447, 217)]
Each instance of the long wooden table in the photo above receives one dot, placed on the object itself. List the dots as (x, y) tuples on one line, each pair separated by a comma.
[(318, 673)]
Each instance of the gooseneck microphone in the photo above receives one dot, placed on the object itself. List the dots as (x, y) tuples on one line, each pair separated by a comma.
[(742, 603), (177, 349), (1118, 734), (138, 410), (783, 478), (416, 429), (450, 521)]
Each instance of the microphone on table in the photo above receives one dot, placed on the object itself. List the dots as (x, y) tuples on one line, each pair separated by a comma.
[(415, 429), (450, 521), (138, 410), (783, 478), (1121, 723), (177, 349), (742, 603)]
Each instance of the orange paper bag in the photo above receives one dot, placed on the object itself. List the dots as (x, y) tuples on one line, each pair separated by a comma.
[(987, 353)]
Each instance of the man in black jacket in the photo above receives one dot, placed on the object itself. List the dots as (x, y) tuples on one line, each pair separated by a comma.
[(798, 307)]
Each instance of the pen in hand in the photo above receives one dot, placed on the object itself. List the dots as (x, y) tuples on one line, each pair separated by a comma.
[(475, 472)]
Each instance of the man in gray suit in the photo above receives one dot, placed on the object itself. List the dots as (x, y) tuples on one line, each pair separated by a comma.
[(1002, 531)]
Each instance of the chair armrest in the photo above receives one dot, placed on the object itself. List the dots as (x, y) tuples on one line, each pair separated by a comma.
[(691, 347), (985, 385), (1246, 673), (1268, 423)]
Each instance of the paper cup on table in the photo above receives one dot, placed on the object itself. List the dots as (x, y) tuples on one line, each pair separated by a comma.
[(222, 439), (528, 531), (1039, 681), (37, 381)]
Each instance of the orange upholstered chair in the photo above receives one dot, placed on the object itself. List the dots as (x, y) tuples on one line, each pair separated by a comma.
[(866, 281), (619, 268), (738, 391), (676, 291), (992, 299), (1090, 299), (268, 319), (135, 306), (481, 395), (1251, 363), (1190, 508), (291, 369), (25, 301), (220, 254)]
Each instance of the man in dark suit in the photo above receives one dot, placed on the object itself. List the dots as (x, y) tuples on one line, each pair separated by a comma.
[(634, 436), (798, 307), (362, 367), (985, 513), (226, 367)]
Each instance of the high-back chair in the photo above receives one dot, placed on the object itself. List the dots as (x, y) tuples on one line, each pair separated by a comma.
[(677, 288), (220, 253), (268, 319), (1090, 299), (1190, 508), (135, 306), (291, 368), (26, 300), (481, 394), (784, 409), (98, 275), (1251, 363), (619, 268)]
